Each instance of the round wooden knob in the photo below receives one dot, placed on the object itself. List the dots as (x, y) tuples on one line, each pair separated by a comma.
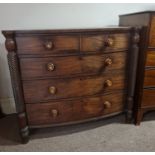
[(50, 67), (109, 42), (108, 61), (52, 90), (54, 112), (49, 45), (108, 83), (107, 104)]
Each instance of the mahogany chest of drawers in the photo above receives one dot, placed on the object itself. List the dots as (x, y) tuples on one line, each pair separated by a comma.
[(70, 76), (145, 85)]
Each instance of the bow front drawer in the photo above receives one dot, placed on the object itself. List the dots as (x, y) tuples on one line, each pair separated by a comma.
[(44, 90), (72, 65), (75, 110)]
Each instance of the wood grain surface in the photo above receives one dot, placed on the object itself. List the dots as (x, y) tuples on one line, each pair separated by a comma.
[(38, 90), (72, 65), (149, 78), (148, 98), (72, 43), (150, 59), (41, 114)]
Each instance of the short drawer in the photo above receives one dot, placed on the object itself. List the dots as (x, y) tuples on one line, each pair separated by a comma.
[(75, 110), (47, 44), (72, 65), (149, 79), (148, 98), (105, 42), (71, 44), (150, 59), (44, 90)]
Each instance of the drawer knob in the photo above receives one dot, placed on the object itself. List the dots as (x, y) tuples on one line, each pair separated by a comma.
[(109, 42), (108, 61), (107, 104), (54, 113), (49, 45), (108, 83), (50, 67), (52, 90)]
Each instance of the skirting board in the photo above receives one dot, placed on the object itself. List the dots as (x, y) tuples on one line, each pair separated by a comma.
[(8, 105)]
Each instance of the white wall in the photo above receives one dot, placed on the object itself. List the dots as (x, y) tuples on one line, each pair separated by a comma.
[(53, 16)]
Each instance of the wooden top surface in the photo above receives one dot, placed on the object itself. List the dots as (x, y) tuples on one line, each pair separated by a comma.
[(48, 31), (141, 12)]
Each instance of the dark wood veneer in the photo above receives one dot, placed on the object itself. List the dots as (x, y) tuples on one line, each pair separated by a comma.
[(75, 110), (38, 90), (144, 100), (150, 59), (148, 98), (72, 65), (71, 76), (149, 78)]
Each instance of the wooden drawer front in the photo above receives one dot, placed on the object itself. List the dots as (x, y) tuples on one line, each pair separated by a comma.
[(72, 65), (149, 79), (47, 45), (148, 98), (103, 43), (150, 59), (66, 111), (152, 33), (44, 90), (71, 43)]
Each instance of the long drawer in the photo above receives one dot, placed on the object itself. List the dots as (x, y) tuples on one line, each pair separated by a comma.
[(75, 110), (71, 65), (44, 90), (69, 44)]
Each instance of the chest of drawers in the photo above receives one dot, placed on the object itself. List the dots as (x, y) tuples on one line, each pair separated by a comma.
[(64, 77), (145, 85)]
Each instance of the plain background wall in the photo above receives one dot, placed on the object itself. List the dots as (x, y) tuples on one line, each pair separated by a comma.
[(53, 16)]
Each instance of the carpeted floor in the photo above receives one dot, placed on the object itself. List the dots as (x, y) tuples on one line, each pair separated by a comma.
[(104, 135)]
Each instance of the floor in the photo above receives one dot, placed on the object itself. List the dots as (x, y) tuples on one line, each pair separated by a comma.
[(103, 135)]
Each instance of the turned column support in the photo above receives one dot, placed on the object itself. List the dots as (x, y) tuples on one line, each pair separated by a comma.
[(132, 70), (16, 84), (139, 116)]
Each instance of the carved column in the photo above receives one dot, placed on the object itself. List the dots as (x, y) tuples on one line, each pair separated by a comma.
[(132, 70), (16, 85)]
